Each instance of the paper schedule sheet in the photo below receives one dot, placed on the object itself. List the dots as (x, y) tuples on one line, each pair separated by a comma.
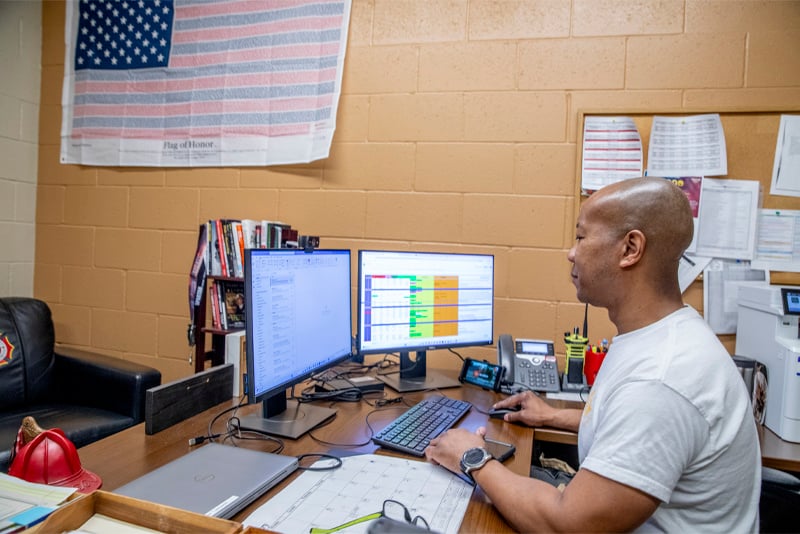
[(326, 499), (612, 151)]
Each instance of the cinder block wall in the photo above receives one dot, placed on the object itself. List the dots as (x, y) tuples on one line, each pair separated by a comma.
[(20, 52), (456, 132)]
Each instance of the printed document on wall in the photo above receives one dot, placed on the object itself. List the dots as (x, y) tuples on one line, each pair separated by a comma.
[(612, 151), (687, 146), (778, 241), (727, 221), (786, 170)]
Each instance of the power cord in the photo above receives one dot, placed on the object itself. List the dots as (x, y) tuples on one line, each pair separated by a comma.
[(197, 440)]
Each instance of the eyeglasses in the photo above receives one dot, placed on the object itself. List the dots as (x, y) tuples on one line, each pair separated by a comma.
[(391, 509)]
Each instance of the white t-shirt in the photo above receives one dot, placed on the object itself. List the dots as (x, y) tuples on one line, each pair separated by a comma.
[(669, 415)]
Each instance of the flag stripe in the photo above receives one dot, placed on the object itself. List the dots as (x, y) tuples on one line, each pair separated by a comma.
[(258, 93), (294, 52), (214, 7), (152, 110), (209, 34), (208, 120), (208, 82), (180, 133)]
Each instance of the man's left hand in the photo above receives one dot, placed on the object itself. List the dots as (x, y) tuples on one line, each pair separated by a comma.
[(447, 449)]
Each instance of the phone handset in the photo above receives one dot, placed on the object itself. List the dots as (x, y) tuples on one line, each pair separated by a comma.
[(505, 358), (528, 364)]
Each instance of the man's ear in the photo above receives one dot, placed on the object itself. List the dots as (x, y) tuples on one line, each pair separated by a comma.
[(633, 248)]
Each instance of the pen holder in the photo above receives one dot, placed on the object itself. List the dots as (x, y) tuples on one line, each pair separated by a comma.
[(591, 364)]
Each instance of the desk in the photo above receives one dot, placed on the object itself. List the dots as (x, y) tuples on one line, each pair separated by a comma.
[(775, 452), (124, 456)]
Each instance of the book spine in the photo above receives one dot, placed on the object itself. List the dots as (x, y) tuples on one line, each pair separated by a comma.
[(215, 317), (223, 310), (230, 250), (239, 249), (221, 247)]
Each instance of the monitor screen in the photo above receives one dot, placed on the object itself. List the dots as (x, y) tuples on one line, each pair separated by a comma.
[(298, 324), (420, 301), (791, 300)]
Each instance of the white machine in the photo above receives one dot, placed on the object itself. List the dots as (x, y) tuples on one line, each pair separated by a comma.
[(767, 331)]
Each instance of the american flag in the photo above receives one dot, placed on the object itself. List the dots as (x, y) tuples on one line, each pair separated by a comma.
[(166, 70)]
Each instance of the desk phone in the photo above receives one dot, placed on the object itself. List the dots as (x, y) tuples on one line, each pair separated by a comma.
[(529, 364)]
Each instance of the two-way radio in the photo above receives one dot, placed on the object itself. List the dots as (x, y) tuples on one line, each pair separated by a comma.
[(573, 379)]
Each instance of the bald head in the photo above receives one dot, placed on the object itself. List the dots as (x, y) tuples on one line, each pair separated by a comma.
[(656, 207)]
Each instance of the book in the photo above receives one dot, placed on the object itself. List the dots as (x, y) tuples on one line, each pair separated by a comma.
[(239, 246), (232, 292), (220, 241), (215, 316)]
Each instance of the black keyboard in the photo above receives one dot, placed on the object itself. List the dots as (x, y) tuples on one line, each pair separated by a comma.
[(412, 431)]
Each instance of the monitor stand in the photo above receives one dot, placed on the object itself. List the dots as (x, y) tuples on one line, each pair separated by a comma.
[(413, 376), (286, 418)]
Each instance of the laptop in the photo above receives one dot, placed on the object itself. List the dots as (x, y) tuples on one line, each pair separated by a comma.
[(215, 480)]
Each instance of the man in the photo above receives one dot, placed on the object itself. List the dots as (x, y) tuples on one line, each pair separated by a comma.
[(667, 439)]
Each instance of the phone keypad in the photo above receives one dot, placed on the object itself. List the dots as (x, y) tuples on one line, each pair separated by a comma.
[(538, 373)]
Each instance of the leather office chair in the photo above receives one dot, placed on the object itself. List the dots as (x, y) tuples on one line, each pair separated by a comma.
[(89, 396)]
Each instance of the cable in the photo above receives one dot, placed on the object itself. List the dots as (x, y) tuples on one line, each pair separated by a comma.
[(460, 357), (337, 461), (197, 440)]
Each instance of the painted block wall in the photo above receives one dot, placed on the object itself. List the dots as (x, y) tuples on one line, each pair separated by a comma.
[(456, 132), (20, 52)]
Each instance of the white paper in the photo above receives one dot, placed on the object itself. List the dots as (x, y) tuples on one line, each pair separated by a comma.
[(326, 499), (612, 151), (727, 220), (689, 268), (721, 282), (786, 170), (778, 241), (687, 146), (17, 495)]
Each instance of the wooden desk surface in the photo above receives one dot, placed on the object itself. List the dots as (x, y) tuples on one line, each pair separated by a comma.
[(775, 452), (129, 454)]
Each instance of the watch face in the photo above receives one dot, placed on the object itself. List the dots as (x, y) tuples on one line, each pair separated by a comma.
[(473, 456)]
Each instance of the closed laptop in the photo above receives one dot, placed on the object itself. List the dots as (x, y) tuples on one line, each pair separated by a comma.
[(215, 480)]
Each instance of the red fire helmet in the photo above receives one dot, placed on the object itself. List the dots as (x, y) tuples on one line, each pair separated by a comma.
[(51, 458)]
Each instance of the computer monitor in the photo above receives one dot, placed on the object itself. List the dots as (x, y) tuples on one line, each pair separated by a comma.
[(420, 301), (298, 324)]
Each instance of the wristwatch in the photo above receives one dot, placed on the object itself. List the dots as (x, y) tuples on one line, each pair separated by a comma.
[(473, 459)]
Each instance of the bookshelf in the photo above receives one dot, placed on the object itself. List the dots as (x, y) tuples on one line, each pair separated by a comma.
[(225, 243)]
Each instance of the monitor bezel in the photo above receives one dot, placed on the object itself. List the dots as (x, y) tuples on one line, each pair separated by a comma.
[(361, 351), (252, 396)]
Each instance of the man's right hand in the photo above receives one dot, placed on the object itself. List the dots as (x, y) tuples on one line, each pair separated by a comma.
[(535, 411)]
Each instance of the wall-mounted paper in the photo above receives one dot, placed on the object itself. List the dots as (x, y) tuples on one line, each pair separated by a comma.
[(689, 268), (612, 151), (727, 221), (778, 241), (687, 146), (786, 170)]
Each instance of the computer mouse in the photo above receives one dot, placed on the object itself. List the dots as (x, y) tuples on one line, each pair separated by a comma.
[(499, 413)]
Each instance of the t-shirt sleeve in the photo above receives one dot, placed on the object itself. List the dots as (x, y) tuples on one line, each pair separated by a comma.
[(645, 437)]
